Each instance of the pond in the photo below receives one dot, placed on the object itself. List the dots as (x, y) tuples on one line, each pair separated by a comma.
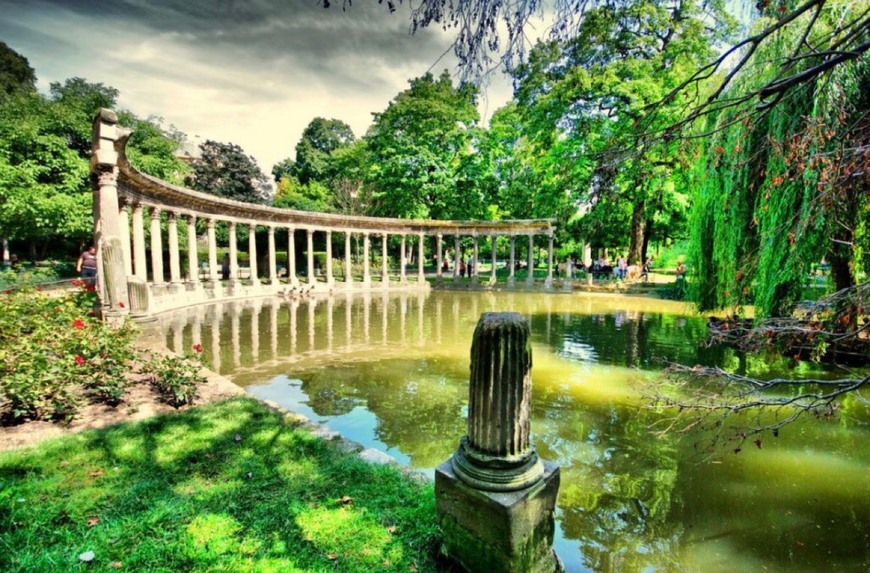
[(391, 372)]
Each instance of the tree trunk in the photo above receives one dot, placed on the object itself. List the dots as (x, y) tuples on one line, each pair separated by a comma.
[(647, 234), (637, 234)]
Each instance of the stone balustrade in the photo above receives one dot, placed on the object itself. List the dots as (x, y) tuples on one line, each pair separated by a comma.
[(124, 196)]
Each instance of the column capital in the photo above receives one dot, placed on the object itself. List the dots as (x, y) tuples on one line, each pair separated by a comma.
[(155, 212)]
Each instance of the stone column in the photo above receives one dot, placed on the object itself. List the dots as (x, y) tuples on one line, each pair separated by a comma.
[(440, 261), (512, 272), (213, 271), (421, 275), (587, 255), (291, 256), (273, 264), (234, 256), (252, 254), (310, 256), (549, 282), (402, 262), (329, 279), (111, 283), (192, 252), (140, 261), (124, 234), (495, 498), (174, 255), (492, 272), (385, 266), (156, 248), (348, 261), (456, 259), (367, 278), (531, 266)]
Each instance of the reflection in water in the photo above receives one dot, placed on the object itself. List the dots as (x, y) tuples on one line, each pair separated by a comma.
[(630, 500)]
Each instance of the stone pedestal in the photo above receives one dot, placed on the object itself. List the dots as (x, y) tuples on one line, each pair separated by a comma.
[(508, 532), (495, 497)]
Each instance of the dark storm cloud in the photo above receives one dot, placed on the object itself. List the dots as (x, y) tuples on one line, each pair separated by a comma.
[(350, 49)]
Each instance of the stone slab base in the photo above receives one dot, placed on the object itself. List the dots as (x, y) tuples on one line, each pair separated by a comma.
[(508, 532)]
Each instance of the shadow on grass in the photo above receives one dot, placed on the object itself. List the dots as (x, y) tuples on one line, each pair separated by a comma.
[(228, 486)]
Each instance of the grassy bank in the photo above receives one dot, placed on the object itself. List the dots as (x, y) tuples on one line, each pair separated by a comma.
[(230, 486)]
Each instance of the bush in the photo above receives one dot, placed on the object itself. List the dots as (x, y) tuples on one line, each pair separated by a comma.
[(175, 377), (52, 350)]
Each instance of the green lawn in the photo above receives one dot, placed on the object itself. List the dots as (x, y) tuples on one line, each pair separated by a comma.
[(225, 487)]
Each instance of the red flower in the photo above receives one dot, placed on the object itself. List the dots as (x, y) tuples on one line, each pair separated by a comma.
[(92, 288), (77, 282), (78, 324), (121, 304), (197, 347), (79, 360), (38, 289)]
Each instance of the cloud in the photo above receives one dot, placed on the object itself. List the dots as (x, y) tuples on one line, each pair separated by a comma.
[(254, 72)]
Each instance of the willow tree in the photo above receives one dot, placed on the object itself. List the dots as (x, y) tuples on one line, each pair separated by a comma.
[(787, 186)]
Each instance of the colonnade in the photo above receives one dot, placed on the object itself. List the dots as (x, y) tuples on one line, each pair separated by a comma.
[(142, 279)]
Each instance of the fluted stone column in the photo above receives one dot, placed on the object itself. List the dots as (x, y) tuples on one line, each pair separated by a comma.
[(549, 281), (252, 255), (385, 266), (440, 261), (329, 279), (492, 275), (348, 261), (310, 256), (234, 256), (156, 248), (124, 234), (402, 262), (457, 256), (174, 255), (291, 255), (273, 263), (192, 252), (512, 272), (140, 261), (421, 275), (367, 278), (213, 271), (531, 265), (495, 498)]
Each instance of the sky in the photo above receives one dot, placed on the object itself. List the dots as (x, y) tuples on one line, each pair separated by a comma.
[(249, 72)]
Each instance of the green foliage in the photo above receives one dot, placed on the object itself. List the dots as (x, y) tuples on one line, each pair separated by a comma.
[(176, 377), (230, 486), (420, 153), (16, 75), (152, 148), (52, 351), (777, 195)]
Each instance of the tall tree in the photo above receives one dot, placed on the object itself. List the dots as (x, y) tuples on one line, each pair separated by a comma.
[(418, 147), (224, 170), (320, 139), (16, 75), (586, 104)]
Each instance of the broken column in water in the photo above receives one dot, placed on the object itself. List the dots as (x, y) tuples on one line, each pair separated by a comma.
[(495, 497)]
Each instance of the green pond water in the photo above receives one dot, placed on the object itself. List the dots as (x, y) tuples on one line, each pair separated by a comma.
[(391, 372)]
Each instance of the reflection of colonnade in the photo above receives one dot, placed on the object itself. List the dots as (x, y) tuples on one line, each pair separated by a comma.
[(230, 332), (165, 274), (253, 336)]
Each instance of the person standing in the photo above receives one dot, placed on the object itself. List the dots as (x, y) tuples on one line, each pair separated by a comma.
[(621, 267), (87, 266)]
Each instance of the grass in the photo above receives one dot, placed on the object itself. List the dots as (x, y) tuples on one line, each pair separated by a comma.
[(230, 486)]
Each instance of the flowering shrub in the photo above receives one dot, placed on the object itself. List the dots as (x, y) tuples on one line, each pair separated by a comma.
[(52, 350), (176, 377)]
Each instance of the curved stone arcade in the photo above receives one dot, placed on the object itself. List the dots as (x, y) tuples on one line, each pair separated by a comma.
[(135, 281)]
